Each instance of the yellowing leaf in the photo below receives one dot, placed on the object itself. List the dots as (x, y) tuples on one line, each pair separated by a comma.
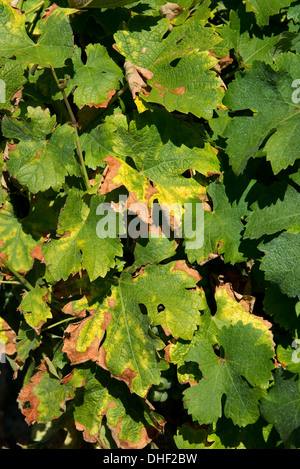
[(55, 43), (35, 308)]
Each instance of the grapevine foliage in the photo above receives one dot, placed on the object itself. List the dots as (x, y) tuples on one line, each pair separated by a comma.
[(152, 342)]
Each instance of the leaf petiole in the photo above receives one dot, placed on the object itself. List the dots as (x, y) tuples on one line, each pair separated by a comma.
[(22, 280), (61, 87), (37, 7)]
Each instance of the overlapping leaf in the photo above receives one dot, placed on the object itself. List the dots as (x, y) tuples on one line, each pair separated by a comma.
[(180, 63), (12, 73), (268, 93), (40, 162), (44, 397), (97, 80), (222, 227), (263, 10), (230, 370), (284, 214), (35, 308), (129, 419), (161, 163), (281, 406), (15, 244), (127, 329), (248, 47), (79, 246), (280, 262), (55, 43)]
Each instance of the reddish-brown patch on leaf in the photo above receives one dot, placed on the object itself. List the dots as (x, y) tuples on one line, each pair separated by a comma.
[(36, 253), (101, 359), (66, 234), (4, 257), (106, 184), (180, 91), (49, 11), (182, 265), (71, 336), (9, 147), (105, 103), (127, 376), (115, 47), (245, 300), (69, 309), (68, 378), (28, 397), (144, 440), (111, 302), (167, 353), (163, 90), (86, 435)]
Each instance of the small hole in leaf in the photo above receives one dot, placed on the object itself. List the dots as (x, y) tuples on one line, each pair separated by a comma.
[(219, 351), (160, 308), (175, 62), (143, 308), (188, 174)]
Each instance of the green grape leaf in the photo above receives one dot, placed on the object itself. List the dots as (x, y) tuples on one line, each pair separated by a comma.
[(281, 406), (155, 251), (222, 228), (224, 375), (120, 319), (159, 162), (130, 420), (27, 340), (55, 44), (281, 307), (97, 80), (283, 214), (280, 262), (247, 46), (178, 67), (15, 244), (35, 308), (269, 94), (171, 289), (79, 246), (263, 10), (99, 142), (40, 162)]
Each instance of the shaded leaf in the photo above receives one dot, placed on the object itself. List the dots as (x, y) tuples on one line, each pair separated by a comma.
[(281, 406), (280, 262)]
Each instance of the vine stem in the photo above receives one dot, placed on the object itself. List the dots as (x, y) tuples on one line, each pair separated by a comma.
[(74, 125), (22, 280)]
